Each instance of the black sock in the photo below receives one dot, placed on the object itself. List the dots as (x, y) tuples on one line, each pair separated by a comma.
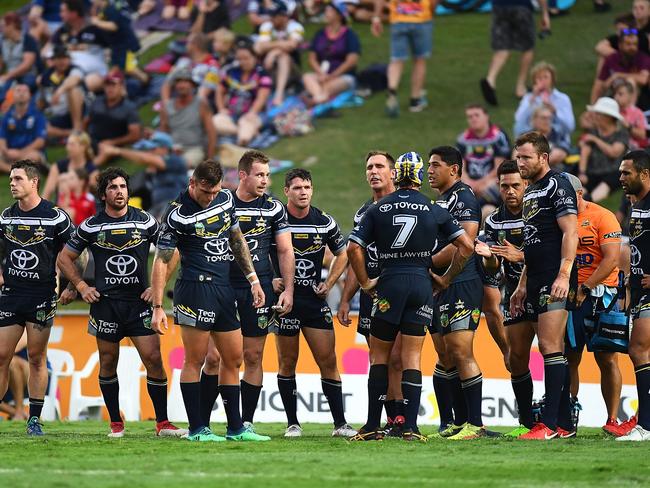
[(414, 101), (287, 387), (377, 388), (564, 409), (110, 388), (554, 371), (192, 399), (457, 397), (642, 374), (250, 394), (209, 394), (412, 391), (523, 388), (334, 394), (35, 407), (399, 408), (441, 385), (392, 91), (391, 409), (157, 390), (473, 393), (230, 399)]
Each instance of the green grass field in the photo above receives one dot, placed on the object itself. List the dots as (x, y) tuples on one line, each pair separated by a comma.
[(80, 455)]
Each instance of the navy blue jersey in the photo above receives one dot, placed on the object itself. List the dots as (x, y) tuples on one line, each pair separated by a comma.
[(639, 241), (502, 225), (545, 201), (260, 221), (463, 206), (32, 240), (404, 227), (201, 235), (372, 265), (120, 249), (309, 236)]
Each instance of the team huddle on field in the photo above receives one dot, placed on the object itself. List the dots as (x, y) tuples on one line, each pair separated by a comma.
[(545, 264)]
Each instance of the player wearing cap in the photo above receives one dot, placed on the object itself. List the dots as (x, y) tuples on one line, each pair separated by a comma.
[(119, 237), (635, 180), (404, 227), (548, 283), (311, 230), (458, 381)]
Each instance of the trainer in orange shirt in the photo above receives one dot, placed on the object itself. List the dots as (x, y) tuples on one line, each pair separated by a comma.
[(597, 256)]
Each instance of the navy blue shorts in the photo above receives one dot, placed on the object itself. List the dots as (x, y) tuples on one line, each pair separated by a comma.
[(404, 299), (492, 279), (458, 308), (205, 306), (639, 303), (255, 321), (112, 319), (20, 310), (365, 314), (508, 318), (538, 294), (309, 312)]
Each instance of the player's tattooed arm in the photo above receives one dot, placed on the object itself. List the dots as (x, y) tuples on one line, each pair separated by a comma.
[(240, 251), (80, 265), (464, 249)]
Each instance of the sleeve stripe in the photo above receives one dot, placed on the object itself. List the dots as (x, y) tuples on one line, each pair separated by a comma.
[(359, 241)]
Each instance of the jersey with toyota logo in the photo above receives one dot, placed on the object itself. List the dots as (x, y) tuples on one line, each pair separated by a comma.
[(120, 249), (545, 201), (404, 226), (639, 241), (372, 264), (201, 236), (260, 221), (502, 225), (462, 204), (32, 240), (309, 236)]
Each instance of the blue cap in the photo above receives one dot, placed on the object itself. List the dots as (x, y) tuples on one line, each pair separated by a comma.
[(157, 139), (342, 9), (409, 166), (279, 8)]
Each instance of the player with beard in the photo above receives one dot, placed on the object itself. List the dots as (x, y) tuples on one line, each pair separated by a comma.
[(380, 169), (548, 283), (119, 237), (635, 180), (263, 221), (32, 232)]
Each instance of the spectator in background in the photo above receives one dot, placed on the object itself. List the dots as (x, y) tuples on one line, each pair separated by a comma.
[(560, 143), (484, 146), (629, 63), (241, 96), (411, 35), (79, 155), (112, 118), (167, 169), (633, 118), (223, 43), (278, 45), (19, 57), (513, 29), (44, 19), (84, 41), (203, 67), (23, 130), (188, 119), (260, 11), (62, 96), (333, 56), (74, 197), (209, 15), (543, 77), (176, 8), (609, 45), (601, 149)]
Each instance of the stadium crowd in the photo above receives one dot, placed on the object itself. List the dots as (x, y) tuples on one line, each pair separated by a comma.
[(516, 232)]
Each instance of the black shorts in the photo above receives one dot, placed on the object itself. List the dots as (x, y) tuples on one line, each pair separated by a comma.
[(21, 309), (492, 279), (309, 312), (112, 320), (61, 121), (255, 321), (513, 28), (458, 308), (639, 303), (404, 299), (610, 179), (205, 306), (365, 314), (508, 318), (538, 293)]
